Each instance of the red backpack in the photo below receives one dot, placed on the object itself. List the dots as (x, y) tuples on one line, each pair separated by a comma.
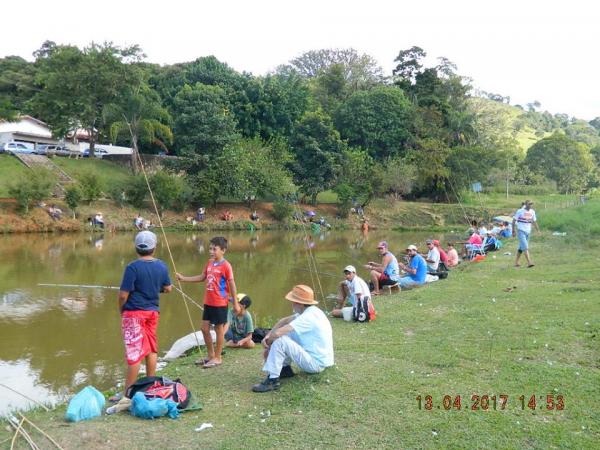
[(161, 387)]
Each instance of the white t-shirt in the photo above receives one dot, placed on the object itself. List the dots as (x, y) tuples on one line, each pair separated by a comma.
[(433, 255), (524, 218), (313, 332), (358, 286)]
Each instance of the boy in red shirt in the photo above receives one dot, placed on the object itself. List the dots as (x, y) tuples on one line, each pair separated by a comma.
[(220, 288)]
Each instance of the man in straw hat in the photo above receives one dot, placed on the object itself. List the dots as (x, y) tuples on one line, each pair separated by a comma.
[(304, 338)]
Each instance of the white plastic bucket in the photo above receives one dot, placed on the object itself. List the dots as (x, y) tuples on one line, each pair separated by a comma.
[(347, 313)]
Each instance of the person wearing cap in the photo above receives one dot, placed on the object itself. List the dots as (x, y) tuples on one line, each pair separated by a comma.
[(143, 281), (523, 219), (239, 328), (98, 220), (352, 288), (385, 274), (304, 338), (416, 270), (433, 257)]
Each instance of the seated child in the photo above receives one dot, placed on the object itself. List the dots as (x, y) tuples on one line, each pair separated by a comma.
[(239, 326)]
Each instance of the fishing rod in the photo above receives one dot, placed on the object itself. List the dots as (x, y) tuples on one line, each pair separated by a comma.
[(91, 286)]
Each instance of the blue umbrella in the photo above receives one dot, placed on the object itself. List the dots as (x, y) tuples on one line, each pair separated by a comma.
[(311, 213)]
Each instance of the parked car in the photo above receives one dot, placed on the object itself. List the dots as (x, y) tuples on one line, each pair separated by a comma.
[(98, 153), (15, 147), (54, 149)]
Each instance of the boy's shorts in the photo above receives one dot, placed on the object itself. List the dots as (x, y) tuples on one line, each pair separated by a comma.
[(229, 336), (139, 334), (217, 315)]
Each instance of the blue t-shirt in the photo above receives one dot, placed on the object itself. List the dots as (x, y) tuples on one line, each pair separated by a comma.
[(417, 262), (144, 279)]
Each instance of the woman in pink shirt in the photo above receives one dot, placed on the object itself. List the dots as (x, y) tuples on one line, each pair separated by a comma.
[(452, 255)]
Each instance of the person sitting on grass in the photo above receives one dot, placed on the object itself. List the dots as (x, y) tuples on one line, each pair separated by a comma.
[(304, 338), (452, 256), (143, 281), (239, 328), (351, 289), (416, 269), (386, 273), (139, 222), (433, 257)]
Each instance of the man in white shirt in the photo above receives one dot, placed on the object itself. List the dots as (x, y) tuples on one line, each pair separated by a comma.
[(523, 219), (351, 289), (304, 338), (433, 257)]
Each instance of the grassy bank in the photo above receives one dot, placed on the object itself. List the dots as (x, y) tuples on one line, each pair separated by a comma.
[(490, 329)]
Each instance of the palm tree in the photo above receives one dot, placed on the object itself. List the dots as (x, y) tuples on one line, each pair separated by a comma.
[(140, 116)]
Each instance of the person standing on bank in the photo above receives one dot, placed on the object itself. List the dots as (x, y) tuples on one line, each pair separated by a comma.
[(304, 338), (523, 219)]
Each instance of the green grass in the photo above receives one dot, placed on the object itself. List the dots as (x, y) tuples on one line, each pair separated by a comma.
[(10, 169), (513, 202), (110, 173), (583, 219), (490, 329)]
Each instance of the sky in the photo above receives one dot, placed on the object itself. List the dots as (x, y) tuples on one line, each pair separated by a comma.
[(528, 49)]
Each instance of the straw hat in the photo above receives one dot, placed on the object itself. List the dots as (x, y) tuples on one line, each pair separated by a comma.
[(302, 294)]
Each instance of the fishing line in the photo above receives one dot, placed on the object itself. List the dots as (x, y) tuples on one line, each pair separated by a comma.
[(187, 309)]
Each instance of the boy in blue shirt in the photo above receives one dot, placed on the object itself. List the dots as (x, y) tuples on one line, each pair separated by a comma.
[(144, 279)]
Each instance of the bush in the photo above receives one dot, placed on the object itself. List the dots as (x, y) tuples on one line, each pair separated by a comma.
[(282, 210), (117, 194), (166, 188), (91, 186), (345, 194), (32, 188), (135, 191), (73, 196)]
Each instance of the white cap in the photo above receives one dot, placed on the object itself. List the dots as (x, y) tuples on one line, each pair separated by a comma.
[(145, 240), (350, 269), (412, 247)]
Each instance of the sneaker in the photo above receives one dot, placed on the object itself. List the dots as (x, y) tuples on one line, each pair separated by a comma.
[(286, 372), (269, 384)]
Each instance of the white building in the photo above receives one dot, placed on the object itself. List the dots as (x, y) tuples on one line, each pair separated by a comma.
[(28, 130)]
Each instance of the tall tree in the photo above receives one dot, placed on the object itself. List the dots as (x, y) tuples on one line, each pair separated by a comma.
[(75, 86), (563, 160), (360, 70), (203, 120), (139, 115), (16, 86), (379, 120), (318, 150)]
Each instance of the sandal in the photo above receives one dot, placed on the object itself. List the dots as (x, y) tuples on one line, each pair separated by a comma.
[(210, 365), (115, 398), (530, 265), (201, 362)]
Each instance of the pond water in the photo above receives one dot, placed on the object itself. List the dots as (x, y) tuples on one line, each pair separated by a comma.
[(55, 340)]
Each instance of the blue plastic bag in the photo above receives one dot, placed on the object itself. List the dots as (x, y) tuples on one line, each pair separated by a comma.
[(87, 404), (156, 407)]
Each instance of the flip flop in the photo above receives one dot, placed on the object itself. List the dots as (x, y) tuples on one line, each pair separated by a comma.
[(530, 265), (201, 362), (210, 365), (116, 398)]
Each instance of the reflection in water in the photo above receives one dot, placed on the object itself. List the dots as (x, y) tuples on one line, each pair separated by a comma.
[(54, 340)]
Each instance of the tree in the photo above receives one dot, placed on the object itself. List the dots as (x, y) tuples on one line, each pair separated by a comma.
[(255, 169), (32, 188), (379, 120), (75, 86), (16, 85), (166, 189), (409, 65), (317, 149), (203, 121), (561, 159), (358, 179), (139, 115), (360, 70)]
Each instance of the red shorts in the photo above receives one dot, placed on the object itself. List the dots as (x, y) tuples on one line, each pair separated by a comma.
[(139, 334)]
